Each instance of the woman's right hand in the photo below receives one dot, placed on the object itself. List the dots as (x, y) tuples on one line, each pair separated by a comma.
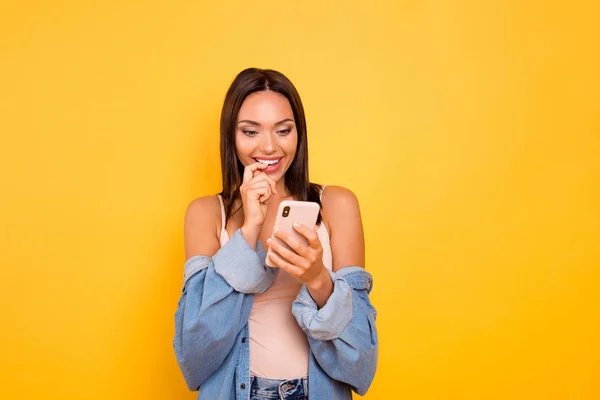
[(257, 187)]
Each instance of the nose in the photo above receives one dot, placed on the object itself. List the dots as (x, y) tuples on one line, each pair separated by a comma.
[(267, 143)]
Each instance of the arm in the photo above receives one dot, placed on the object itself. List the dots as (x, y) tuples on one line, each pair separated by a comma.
[(216, 297), (342, 333)]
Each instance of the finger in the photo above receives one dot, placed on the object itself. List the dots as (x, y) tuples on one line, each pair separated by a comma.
[(257, 184), (263, 176), (260, 184), (278, 261), (260, 191), (291, 241), (264, 198), (310, 234), (287, 254), (250, 169), (271, 182), (268, 184)]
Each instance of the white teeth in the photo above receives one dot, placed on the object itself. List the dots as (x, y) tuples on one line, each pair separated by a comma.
[(267, 162)]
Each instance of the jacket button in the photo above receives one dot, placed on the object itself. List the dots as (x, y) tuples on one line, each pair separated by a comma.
[(243, 340), (243, 386)]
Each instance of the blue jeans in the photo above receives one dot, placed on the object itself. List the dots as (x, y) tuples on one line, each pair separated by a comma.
[(268, 389)]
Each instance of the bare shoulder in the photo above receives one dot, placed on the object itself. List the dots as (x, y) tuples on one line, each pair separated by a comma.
[(335, 197), (341, 214), (203, 206), (202, 217)]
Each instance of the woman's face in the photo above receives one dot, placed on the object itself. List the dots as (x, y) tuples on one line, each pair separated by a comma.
[(266, 132)]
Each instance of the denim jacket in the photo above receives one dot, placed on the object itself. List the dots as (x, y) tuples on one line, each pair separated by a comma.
[(211, 326)]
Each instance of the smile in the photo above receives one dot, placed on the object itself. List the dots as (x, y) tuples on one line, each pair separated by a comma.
[(268, 162)]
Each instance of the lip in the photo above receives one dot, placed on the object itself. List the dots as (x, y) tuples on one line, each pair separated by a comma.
[(267, 158), (271, 168)]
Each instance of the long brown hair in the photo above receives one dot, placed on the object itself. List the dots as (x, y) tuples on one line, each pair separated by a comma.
[(296, 180)]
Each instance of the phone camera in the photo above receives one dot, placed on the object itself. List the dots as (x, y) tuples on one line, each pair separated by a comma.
[(286, 211)]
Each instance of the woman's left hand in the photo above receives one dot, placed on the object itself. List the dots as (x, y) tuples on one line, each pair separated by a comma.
[(306, 264)]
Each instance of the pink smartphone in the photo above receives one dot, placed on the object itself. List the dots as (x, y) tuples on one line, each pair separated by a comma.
[(290, 211)]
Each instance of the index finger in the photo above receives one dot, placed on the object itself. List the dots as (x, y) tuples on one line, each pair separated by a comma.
[(250, 169), (310, 234)]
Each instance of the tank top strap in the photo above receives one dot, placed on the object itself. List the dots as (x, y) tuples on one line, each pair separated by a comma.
[(322, 190), (223, 236)]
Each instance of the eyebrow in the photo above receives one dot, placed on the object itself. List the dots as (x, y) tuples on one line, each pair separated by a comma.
[(247, 121)]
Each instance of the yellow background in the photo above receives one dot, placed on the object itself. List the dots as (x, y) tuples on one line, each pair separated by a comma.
[(469, 130)]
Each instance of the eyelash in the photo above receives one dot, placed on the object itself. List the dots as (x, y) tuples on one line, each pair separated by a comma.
[(281, 133)]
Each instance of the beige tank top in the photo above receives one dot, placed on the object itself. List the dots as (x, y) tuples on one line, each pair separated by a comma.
[(278, 347)]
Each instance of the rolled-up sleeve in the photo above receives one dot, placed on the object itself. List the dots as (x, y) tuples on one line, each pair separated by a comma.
[(215, 305), (342, 334), (251, 276)]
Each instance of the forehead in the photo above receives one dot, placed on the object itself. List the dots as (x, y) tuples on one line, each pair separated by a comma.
[(265, 106)]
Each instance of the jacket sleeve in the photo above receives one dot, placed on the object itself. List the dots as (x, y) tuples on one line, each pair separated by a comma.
[(342, 334), (216, 300)]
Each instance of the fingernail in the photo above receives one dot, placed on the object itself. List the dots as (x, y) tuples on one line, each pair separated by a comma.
[(268, 240), (296, 225), (275, 231)]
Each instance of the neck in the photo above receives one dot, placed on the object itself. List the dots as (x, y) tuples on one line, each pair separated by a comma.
[(282, 194), (281, 189)]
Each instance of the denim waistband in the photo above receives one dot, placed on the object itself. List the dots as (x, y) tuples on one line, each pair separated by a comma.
[(288, 389)]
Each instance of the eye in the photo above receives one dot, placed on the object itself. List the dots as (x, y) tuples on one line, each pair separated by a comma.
[(250, 133), (284, 132)]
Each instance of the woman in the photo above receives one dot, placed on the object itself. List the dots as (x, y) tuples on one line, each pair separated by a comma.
[(247, 331)]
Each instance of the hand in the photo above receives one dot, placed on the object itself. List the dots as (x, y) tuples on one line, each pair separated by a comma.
[(305, 263), (257, 187)]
